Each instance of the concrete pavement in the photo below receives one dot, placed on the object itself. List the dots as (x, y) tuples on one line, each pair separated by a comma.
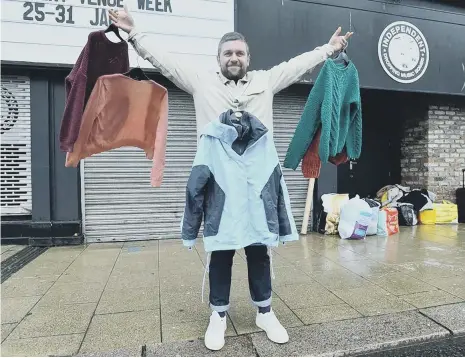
[(335, 297)]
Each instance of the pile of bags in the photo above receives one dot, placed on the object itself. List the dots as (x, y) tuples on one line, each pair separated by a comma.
[(355, 218), (394, 206), (417, 206)]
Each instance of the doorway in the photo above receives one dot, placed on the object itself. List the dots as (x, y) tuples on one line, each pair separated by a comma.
[(379, 163)]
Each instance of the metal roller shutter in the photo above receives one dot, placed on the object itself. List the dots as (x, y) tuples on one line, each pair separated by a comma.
[(120, 204), (16, 188), (287, 108)]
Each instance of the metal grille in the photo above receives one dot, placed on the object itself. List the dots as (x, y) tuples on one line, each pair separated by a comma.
[(16, 192), (121, 205), (287, 109)]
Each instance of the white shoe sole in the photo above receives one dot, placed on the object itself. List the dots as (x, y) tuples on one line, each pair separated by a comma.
[(215, 348), (271, 339)]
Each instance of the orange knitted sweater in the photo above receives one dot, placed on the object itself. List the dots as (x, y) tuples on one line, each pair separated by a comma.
[(122, 112)]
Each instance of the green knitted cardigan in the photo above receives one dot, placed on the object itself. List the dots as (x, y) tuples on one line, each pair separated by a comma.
[(334, 103)]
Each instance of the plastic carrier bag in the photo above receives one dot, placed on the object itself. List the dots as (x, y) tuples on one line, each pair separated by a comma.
[(328, 219), (355, 219), (407, 214), (388, 222), (373, 227), (428, 217), (446, 212)]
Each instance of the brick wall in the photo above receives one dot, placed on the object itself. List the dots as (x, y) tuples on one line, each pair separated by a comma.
[(446, 150), (414, 145), (433, 150)]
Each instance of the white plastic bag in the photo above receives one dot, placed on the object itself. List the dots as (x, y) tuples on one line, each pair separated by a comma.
[(355, 218), (373, 227)]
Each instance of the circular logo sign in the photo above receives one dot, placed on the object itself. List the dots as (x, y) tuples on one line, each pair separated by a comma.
[(403, 52)]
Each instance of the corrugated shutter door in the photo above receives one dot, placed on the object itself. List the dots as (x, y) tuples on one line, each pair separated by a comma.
[(120, 203), (287, 109), (16, 188)]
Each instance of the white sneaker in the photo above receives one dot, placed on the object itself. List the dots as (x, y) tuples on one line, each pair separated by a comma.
[(270, 324), (214, 337)]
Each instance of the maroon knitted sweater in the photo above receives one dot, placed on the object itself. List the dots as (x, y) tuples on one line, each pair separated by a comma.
[(99, 57)]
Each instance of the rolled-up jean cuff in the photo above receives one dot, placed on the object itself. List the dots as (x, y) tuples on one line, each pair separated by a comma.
[(219, 308), (265, 303)]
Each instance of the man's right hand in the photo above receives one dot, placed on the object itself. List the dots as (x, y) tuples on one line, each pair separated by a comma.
[(122, 19)]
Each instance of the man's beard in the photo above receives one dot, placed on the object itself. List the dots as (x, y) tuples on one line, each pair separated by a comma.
[(236, 76)]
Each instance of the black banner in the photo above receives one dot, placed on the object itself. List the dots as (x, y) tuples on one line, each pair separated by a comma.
[(410, 45)]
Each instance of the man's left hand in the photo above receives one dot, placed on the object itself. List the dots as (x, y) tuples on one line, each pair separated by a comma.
[(339, 42)]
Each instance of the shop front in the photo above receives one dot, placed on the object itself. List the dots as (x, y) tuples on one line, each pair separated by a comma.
[(109, 197), (412, 84)]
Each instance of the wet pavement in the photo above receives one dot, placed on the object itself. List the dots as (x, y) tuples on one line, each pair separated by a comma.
[(118, 297)]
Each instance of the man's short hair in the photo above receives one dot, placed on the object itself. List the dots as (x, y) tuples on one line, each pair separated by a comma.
[(232, 36)]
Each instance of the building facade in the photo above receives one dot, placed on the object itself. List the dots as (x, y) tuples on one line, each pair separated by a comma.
[(412, 78)]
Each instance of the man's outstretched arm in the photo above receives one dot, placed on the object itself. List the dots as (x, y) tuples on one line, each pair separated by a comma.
[(289, 72), (181, 74)]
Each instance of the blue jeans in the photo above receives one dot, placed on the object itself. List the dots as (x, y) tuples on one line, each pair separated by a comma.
[(258, 266)]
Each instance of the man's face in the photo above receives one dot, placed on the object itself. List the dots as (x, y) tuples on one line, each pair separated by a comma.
[(234, 60)]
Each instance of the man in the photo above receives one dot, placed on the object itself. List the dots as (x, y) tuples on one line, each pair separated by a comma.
[(214, 93)]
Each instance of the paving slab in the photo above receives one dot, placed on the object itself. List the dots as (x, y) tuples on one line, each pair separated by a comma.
[(95, 259), (150, 243), (361, 296), (121, 330), (135, 265), (235, 347), (454, 285), (341, 279), (58, 346), (321, 264), (243, 314), (431, 298), (127, 280), (323, 314), (352, 336), (367, 268), (124, 352), (7, 328), (305, 295), (15, 308), (8, 253), (384, 305), (88, 274), (401, 284), (61, 254), (290, 276), (174, 269), (450, 316), (173, 332), (72, 293), (185, 311), (22, 287), (52, 321), (105, 245), (39, 269), (125, 300), (5, 248)]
